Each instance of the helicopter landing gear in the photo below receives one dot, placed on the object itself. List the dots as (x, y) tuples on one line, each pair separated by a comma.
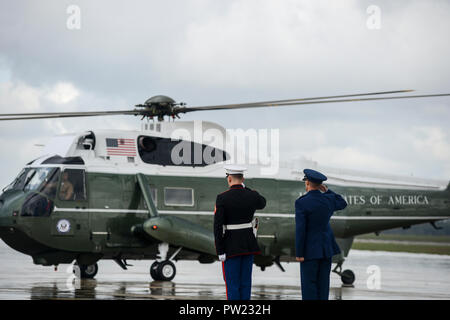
[(164, 269), (347, 276), (86, 271)]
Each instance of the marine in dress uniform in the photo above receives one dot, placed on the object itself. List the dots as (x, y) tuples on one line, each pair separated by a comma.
[(233, 231), (315, 244)]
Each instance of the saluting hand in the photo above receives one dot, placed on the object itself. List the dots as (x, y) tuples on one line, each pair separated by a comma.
[(323, 188)]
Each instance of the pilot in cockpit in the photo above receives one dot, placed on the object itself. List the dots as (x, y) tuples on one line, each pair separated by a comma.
[(66, 189)]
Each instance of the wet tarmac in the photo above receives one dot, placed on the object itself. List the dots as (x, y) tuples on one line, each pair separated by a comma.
[(379, 275)]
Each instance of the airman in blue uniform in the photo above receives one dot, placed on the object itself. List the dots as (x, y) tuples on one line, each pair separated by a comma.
[(315, 244)]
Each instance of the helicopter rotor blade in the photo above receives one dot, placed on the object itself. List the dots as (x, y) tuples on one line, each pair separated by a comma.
[(176, 109), (301, 102), (52, 115), (319, 98)]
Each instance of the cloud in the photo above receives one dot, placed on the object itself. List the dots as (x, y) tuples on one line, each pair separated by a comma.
[(351, 158), (305, 46), (19, 95), (432, 141), (62, 93), (284, 47), (422, 151)]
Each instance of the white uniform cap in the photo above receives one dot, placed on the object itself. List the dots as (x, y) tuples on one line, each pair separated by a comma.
[(233, 169)]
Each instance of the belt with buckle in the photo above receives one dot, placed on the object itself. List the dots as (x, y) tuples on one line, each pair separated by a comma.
[(238, 226)]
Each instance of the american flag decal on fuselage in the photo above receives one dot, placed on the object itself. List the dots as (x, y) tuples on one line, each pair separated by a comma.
[(120, 147)]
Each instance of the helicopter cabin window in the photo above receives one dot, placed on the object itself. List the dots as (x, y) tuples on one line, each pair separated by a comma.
[(168, 152), (73, 185), (179, 197)]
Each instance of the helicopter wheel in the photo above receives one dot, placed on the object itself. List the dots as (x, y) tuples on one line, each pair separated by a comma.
[(163, 271), (153, 271), (348, 277), (87, 271)]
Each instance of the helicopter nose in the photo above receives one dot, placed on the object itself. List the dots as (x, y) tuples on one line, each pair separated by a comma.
[(4, 219)]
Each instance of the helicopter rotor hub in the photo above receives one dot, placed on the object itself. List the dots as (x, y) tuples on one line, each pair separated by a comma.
[(160, 106)]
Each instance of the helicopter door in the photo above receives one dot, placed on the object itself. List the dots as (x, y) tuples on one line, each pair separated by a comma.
[(107, 213), (116, 207), (71, 216)]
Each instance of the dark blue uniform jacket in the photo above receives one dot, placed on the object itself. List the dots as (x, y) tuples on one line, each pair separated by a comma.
[(314, 238), (236, 206)]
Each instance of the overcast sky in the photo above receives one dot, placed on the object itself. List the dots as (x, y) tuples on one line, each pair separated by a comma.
[(217, 52)]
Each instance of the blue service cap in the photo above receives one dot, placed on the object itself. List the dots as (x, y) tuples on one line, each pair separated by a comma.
[(314, 176)]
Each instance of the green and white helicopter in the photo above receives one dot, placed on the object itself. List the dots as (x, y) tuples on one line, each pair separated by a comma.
[(121, 195)]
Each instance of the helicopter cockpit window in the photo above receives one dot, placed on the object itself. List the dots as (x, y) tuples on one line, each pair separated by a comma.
[(168, 152), (72, 187), (18, 182), (44, 182), (35, 177)]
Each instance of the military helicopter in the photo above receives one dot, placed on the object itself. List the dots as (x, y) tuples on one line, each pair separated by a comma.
[(119, 195)]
